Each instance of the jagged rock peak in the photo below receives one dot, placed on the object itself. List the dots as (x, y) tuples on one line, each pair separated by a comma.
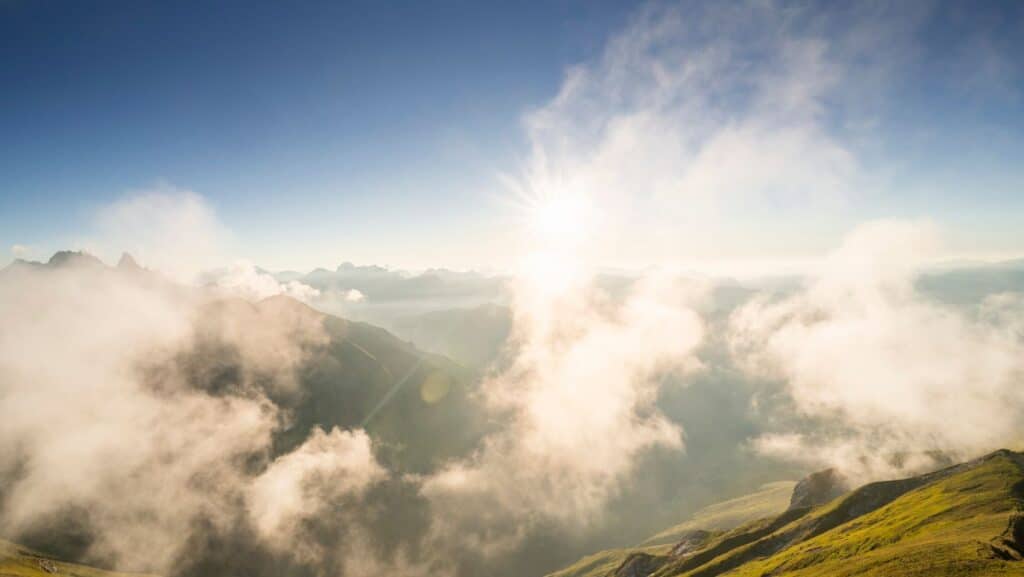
[(127, 262), (639, 565)]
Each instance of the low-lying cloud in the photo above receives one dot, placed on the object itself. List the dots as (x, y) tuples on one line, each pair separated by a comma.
[(901, 374), (579, 399), (97, 415), (243, 279)]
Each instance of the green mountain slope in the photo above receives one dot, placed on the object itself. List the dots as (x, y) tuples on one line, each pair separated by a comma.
[(960, 521), (771, 499), (17, 561)]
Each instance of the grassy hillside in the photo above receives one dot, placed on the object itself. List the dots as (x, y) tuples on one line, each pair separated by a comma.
[(965, 520), (606, 562), (17, 561), (771, 499)]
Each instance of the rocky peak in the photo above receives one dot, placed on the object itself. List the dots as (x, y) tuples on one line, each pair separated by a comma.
[(689, 542), (817, 489), (73, 257), (127, 262), (639, 565)]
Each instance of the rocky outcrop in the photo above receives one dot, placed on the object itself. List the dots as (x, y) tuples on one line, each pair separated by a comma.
[(639, 565), (127, 263), (817, 489), (689, 542)]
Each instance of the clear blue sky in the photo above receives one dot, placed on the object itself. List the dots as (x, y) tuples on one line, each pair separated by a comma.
[(376, 131)]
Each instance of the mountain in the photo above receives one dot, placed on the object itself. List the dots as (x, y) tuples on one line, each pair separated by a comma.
[(17, 561), (73, 258), (317, 371), (771, 499), (127, 262), (416, 404), (382, 285), (473, 336), (968, 284), (963, 520)]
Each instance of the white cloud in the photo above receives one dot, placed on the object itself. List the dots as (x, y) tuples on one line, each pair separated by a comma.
[(95, 414), (21, 251), (108, 404), (900, 374), (693, 116), (174, 231), (325, 469), (244, 280)]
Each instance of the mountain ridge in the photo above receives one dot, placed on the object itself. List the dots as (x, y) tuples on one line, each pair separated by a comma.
[(965, 519)]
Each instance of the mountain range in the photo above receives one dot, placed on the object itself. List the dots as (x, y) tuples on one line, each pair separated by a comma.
[(963, 520), (421, 410)]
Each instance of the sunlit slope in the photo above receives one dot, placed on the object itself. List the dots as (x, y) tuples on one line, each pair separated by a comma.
[(961, 521), (771, 499), (606, 562), (22, 562)]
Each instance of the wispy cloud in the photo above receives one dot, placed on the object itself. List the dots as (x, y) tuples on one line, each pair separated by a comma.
[(174, 231)]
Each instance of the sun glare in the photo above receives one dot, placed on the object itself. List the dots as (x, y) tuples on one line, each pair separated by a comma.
[(558, 227), (561, 221)]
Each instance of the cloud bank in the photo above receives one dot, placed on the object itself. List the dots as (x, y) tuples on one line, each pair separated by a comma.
[(905, 376)]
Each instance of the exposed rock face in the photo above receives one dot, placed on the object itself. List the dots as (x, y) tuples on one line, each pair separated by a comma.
[(817, 489), (639, 565), (691, 541)]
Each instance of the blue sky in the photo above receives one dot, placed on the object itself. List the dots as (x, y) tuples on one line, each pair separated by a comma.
[(384, 131)]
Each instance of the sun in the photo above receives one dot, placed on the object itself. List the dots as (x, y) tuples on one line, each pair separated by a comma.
[(558, 227), (560, 222)]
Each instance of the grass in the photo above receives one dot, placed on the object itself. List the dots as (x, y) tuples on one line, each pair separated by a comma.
[(768, 501), (771, 499), (17, 561), (605, 562), (952, 527), (965, 521), (956, 522)]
